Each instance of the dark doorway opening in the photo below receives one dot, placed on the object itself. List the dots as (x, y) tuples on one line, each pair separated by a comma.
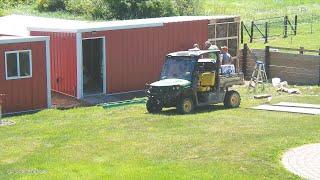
[(92, 66)]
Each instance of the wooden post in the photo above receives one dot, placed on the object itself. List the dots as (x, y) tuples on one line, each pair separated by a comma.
[(301, 50), (266, 33), (295, 24), (245, 58), (251, 33), (1, 96), (267, 61), (241, 31), (285, 26)]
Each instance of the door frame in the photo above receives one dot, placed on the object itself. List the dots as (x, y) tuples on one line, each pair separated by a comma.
[(104, 66)]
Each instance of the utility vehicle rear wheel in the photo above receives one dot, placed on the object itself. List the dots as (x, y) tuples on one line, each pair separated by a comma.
[(153, 106), (185, 105), (232, 99)]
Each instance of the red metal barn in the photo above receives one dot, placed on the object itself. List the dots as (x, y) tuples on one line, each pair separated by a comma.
[(24, 73), (116, 56)]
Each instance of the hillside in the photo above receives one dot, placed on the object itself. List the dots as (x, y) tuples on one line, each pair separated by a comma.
[(307, 11)]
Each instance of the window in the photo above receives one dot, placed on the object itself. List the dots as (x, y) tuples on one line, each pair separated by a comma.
[(18, 64), (225, 34)]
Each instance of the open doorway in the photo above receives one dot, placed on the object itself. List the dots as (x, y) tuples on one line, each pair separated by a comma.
[(93, 66)]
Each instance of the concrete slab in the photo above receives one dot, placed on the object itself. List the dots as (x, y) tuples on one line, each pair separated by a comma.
[(303, 161), (289, 104), (302, 110)]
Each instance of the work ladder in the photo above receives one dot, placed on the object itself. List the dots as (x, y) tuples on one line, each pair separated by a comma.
[(259, 75)]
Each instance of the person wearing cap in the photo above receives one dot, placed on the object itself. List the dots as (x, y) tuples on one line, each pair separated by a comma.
[(225, 56), (209, 46)]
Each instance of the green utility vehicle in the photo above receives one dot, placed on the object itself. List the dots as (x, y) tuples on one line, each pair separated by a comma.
[(192, 79)]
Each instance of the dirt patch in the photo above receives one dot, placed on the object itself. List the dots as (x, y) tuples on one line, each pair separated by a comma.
[(60, 101)]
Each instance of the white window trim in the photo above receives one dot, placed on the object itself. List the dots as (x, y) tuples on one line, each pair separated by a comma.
[(18, 64)]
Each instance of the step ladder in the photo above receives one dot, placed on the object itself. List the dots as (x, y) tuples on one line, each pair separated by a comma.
[(259, 75)]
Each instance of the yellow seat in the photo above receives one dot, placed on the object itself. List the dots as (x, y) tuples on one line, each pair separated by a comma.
[(206, 81)]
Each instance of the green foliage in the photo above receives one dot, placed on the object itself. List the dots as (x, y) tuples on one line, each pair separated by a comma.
[(122, 9), (111, 9), (1, 11), (126, 9), (188, 7), (4, 4), (97, 9), (50, 5), (12, 2)]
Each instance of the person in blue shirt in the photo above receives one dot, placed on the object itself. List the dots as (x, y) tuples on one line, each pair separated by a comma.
[(225, 56)]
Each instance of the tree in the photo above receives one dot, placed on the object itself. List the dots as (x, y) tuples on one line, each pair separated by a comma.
[(122, 9), (188, 7), (132, 9), (50, 5), (96, 9)]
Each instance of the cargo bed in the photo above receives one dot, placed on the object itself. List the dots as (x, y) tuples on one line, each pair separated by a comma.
[(232, 79)]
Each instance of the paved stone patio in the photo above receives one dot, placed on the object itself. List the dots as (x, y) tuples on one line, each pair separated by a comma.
[(304, 161)]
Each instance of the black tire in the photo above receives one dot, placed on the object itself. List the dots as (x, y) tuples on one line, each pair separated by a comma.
[(153, 106), (185, 105), (232, 99)]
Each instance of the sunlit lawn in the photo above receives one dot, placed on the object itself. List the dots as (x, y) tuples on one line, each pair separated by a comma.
[(126, 142)]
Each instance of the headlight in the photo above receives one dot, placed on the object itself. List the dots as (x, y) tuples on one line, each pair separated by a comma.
[(176, 87)]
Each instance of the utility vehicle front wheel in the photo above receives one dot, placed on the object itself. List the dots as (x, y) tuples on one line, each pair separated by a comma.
[(232, 99), (153, 106), (185, 105)]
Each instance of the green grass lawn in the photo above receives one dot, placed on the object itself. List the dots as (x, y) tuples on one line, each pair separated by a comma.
[(308, 35), (260, 9), (302, 39), (128, 143)]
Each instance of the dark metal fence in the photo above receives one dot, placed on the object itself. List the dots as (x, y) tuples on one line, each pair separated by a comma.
[(283, 26)]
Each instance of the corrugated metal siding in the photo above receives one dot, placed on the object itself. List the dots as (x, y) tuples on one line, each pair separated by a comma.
[(25, 94), (135, 57), (63, 61)]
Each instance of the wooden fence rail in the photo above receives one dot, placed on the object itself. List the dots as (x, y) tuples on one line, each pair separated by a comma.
[(301, 50), (296, 68)]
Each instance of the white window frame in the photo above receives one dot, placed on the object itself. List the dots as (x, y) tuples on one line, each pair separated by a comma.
[(18, 64)]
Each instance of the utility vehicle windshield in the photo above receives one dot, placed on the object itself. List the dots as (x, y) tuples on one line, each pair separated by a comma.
[(210, 55), (178, 68)]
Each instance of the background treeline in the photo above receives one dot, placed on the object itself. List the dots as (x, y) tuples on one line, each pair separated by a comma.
[(113, 9)]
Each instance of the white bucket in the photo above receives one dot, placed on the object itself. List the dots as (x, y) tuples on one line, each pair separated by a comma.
[(276, 82)]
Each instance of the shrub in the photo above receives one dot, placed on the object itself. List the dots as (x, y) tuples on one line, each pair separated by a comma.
[(50, 5), (97, 9), (155, 8), (188, 7), (7, 3), (121, 9), (124, 9)]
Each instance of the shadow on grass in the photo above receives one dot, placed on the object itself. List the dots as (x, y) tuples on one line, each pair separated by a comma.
[(31, 112), (197, 110)]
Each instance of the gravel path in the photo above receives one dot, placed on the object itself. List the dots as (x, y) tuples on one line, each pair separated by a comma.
[(304, 161)]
